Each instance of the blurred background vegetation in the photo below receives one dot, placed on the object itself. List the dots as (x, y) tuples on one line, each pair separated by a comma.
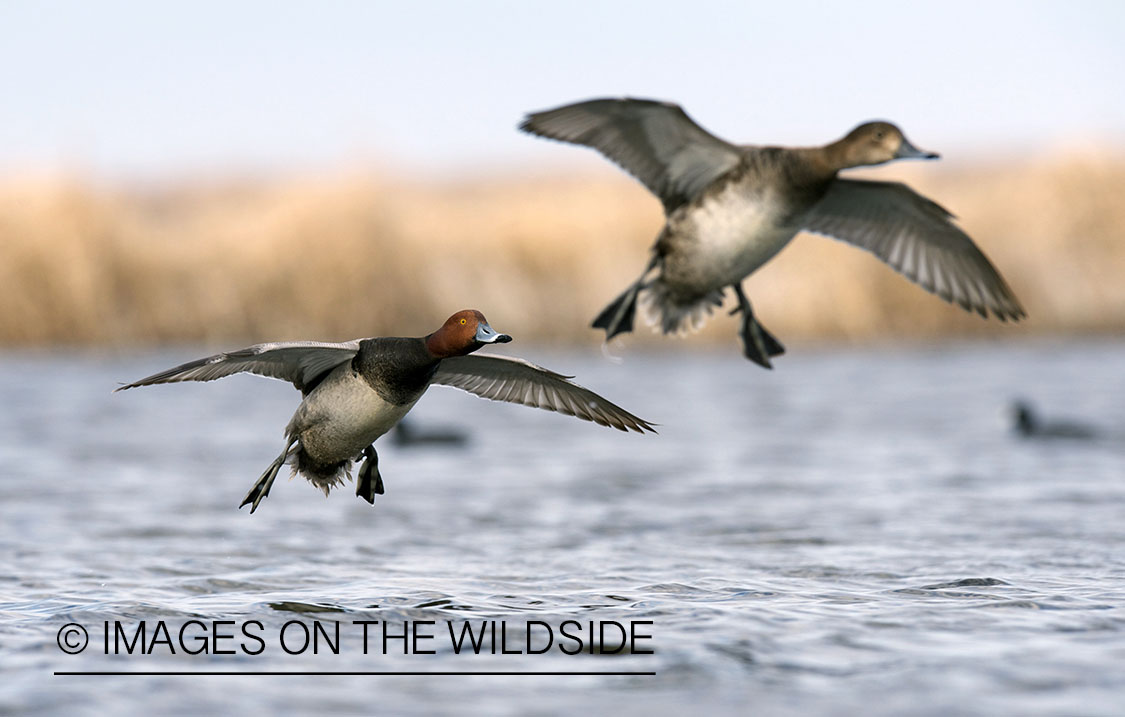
[(220, 173), (349, 254)]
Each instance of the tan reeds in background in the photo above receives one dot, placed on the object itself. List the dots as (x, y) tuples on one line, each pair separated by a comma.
[(359, 255)]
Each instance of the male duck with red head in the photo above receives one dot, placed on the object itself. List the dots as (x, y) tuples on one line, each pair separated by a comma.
[(356, 391)]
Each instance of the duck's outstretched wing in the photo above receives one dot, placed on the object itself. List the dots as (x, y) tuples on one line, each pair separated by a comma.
[(501, 378), (654, 141), (916, 237), (302, 363)]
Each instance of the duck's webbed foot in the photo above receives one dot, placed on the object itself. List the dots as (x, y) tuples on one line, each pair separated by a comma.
[(370, 483), (617, 318), (757, 343), (262, 487)]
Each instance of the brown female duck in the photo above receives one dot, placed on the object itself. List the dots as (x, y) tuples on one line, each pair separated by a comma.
[(729, 209)]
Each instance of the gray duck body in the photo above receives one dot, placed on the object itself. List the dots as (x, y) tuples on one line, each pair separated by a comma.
[(357, 403), (736, 225)]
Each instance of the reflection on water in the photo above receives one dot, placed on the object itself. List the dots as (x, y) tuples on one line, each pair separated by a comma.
[(857, 530)]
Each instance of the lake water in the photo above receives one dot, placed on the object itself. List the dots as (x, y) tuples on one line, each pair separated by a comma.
[(858, 531)]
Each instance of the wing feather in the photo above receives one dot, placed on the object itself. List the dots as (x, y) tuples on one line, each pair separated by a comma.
[(917, 238), (501, 378), (301, 363), (656, 142)]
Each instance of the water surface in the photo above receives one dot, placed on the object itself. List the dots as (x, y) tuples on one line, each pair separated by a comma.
[(856, 531)]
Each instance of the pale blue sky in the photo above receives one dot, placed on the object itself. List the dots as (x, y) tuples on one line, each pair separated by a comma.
[(152, 89)]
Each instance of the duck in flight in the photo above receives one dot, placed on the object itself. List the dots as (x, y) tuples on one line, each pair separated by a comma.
[(729, 209), (356, 391)]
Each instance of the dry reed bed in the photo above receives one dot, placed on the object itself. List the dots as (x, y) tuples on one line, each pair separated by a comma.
[(344, 256)]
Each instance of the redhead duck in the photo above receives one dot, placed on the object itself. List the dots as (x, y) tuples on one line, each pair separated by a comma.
[(729, 209), (356, 391)]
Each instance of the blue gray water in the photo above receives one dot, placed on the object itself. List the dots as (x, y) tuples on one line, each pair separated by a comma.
[(857, 531)]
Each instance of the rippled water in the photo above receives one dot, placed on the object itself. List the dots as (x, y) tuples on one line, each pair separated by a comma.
[(856, 531)]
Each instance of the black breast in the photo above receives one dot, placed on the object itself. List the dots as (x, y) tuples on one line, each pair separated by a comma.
[(398, 369)]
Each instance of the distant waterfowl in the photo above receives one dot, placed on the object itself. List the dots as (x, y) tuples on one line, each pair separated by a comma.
[(356, 391), (1029, 425), (729, 209), (407, 435)]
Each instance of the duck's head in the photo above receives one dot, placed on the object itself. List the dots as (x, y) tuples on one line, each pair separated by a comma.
[(876, 143), (463, 333), (1024, 418)]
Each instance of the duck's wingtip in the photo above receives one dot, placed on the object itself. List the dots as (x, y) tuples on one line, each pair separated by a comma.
[(1014, 313), (646, 427)]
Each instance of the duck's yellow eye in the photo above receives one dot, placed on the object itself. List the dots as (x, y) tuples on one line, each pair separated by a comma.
[(462, 322)]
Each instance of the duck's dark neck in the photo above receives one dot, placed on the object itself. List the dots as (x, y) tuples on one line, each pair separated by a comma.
[(399, 369)]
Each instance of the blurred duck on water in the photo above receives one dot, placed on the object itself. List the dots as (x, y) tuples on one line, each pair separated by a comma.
[(407, 435), (356, 391), (1029, 425), (729, 209)]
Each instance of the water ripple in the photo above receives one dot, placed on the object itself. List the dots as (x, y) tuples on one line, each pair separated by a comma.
[(871, 543)]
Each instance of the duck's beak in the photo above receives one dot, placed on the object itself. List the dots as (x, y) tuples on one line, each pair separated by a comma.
[(909, 151), (487, 335)]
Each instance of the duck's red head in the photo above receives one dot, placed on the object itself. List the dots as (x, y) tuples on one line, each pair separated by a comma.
[(463, 333)]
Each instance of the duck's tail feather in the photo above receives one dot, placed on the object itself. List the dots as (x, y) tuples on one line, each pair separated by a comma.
[(325, 477), (676, 313)]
